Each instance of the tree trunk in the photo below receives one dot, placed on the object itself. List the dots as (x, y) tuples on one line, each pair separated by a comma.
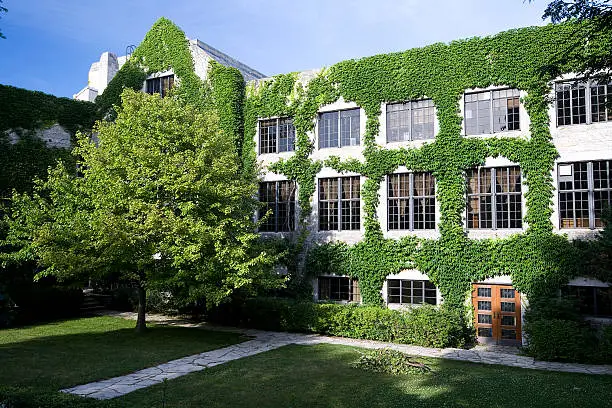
[(141, 323)]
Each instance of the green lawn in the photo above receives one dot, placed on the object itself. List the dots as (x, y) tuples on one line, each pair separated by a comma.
[(35, 362), (45, 358), (321, 376)]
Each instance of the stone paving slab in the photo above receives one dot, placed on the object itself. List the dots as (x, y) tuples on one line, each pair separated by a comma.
[(118, 386), (265, 341)]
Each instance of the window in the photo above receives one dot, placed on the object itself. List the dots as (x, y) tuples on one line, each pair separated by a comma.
[(411, 292), (160, 85), (276, 135), (279, 197), (582, 102), (412, 120), (585, 190), (496, 110), (411, 202), (339, 204), (592, 300), (339, 128), (494, 198), (339, 288)]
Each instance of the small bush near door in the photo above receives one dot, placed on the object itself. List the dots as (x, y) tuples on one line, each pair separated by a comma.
[(556, 332)]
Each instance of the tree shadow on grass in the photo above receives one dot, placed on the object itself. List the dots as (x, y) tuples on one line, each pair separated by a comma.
[(322, 376), (59, 361)]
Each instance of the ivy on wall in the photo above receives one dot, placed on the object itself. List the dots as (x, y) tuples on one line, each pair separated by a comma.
[(528, 59), (164, 47), (25, 109)]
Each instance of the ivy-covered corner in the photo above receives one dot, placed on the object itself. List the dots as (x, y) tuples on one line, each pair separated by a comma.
[(529, 59)]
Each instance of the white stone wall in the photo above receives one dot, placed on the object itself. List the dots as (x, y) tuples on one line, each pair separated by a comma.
[(55, 136), (574, 143)]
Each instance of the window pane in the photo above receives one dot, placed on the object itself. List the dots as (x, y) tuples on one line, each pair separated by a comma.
[(398, 122), (267, 136), (578, 93), (423, 116), (562, 96), (349, 127), (598, 103), (286, 140), (506, 110), (328, 129)]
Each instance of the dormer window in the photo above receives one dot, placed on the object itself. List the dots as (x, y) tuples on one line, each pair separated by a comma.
[(160, 85)]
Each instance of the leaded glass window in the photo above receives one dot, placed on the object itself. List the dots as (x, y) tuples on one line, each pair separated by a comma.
[(494, 198), (339, 128), (585, 190), (339, 204), (412, 120), (278, 197), (411, 201), (492, 111)]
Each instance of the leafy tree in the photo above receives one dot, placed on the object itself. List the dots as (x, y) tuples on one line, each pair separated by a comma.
[(159, 200), (598, 15), (2, 10)]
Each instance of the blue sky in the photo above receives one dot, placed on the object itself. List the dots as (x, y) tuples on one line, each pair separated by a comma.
[(51, 43)]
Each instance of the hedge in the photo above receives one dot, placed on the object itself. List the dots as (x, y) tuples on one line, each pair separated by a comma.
[(426, 326)]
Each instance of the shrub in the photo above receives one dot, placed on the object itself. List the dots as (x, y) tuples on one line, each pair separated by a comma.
[(425, 326), (558, 340), (605, 344), (36, 302), (390, 362)]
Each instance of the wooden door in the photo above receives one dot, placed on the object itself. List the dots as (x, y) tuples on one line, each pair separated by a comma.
[(497, 314)]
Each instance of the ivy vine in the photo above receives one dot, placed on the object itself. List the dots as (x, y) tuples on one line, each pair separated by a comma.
[(528, 59)]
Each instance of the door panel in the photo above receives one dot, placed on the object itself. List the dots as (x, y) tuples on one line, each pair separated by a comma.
[(497, 314)]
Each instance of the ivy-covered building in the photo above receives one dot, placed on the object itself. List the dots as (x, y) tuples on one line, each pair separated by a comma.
[(458, 173)]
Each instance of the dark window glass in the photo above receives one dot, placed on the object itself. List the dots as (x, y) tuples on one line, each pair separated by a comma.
[(276, 135), (592, 301), (159, 85), (339, 289), (494, 198), (411, 201), (279, 198), (582, 102), (339, 203), (415, 292)]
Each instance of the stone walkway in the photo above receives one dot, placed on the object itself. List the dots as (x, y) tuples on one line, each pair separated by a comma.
[(264, 341)]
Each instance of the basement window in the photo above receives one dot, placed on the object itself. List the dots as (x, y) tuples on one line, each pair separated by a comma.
[(411, 292), (592, 300), (339, 288)]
